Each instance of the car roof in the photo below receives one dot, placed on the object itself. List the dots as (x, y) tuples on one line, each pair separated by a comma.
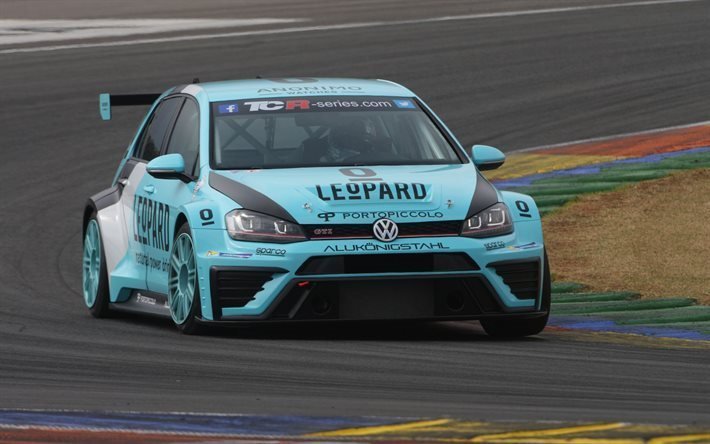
[(259, 88)]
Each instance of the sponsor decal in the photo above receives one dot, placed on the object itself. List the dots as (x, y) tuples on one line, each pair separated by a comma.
[(385, 230), (236, 255), (311, 104), (323, 231), (212, 253), (142, 299), (151, 223), (277, 105), (297, 90), (155, 264), (270, 252), (404, 103), (523, 246), (145, 299), (359, 174), (370, 247), (228, 108), (360, 215), (494, 245), (369, 190)]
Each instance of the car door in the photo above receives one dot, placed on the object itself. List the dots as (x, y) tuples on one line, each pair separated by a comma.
[(136, 199), (171, 194)]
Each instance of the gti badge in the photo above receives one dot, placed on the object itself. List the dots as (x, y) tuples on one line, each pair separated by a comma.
[(385, 230)]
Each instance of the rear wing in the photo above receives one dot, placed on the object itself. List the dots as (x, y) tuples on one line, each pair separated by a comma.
[(106, 101)]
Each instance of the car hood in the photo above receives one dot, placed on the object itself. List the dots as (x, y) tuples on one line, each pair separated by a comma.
[(354, 195)]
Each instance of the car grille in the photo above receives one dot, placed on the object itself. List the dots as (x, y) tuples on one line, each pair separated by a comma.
[(387, 263), (523, 277), (364, 231), (435, 297)]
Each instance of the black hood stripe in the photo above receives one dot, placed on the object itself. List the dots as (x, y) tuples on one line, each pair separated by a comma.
[(248, 198), (484, 196)]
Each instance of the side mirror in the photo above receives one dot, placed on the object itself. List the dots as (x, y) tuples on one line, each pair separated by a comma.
[(486, 157), (169, 166)]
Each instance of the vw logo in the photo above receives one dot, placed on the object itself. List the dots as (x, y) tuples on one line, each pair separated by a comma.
[(385, 230)]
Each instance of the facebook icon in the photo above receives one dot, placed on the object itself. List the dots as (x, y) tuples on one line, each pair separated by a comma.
[(404, 104), (228, 108)]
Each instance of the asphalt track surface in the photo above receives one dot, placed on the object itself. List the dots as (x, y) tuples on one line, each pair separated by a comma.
[(514, 82)]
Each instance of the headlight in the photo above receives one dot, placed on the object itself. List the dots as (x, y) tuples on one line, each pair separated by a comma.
[(250, 226), (493, 221)]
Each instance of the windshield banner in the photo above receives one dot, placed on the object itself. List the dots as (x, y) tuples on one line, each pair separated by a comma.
[(310, 104)]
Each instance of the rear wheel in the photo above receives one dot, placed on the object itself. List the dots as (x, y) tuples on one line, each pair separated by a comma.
[(183, 289), (94, 279), (517, 328)]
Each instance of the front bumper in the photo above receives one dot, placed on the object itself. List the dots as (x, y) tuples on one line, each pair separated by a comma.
[(436, 278)]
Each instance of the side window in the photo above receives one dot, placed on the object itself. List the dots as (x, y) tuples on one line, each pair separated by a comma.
[(185, 138), (154, 133)]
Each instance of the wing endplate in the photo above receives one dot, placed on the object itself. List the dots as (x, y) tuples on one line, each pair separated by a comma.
[(106, 101)]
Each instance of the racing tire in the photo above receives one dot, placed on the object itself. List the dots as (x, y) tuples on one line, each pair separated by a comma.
[(94, 278), (518, 328), (183, 288)]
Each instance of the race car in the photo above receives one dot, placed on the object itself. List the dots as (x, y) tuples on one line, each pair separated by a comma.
[(309, 199)]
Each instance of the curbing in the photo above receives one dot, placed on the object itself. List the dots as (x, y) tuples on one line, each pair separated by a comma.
[(624, 311)]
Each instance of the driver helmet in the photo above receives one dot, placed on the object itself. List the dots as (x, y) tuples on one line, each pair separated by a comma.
[(357, 135)]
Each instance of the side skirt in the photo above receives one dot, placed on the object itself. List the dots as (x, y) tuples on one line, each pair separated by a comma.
[(145, 302)]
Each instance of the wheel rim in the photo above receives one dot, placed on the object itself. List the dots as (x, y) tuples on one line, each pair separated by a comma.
[(91, 263), (182, 279)]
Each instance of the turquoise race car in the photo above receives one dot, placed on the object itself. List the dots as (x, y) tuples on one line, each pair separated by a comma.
[(309, 199)]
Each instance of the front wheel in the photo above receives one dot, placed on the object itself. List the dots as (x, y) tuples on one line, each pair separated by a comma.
[(183, 289), (517, 328), (94, 278)]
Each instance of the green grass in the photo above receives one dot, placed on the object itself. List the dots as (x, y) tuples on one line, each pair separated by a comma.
[(566, 287)]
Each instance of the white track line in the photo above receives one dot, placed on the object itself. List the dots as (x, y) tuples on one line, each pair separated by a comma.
[(615, 136), (343, 26)]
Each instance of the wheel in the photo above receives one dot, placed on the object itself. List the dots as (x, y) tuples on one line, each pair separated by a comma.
[(183, 290), (94, 277), (517, 328)]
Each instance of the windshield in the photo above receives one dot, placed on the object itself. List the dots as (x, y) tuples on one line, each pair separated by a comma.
[(325, 131)]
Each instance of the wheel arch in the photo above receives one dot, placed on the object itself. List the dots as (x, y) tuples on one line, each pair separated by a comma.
[(89, 209), (179, 221), (99, 201)]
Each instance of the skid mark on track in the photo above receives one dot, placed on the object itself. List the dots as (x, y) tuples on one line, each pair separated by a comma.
[(347, 26), (13, 32)]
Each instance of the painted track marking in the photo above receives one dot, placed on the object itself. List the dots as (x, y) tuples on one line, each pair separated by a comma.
[(345, 26), (702, 437), (529, 440), (378, 430), (549, 432)]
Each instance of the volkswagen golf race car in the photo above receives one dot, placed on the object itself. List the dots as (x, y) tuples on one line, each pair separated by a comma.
[(304, 199)]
